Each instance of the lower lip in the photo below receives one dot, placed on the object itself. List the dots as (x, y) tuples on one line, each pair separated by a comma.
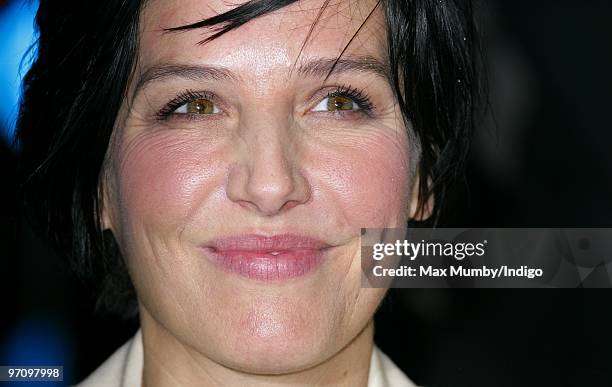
[(268, 267)]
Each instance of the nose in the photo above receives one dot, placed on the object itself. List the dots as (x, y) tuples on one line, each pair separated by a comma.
[(269, 177)]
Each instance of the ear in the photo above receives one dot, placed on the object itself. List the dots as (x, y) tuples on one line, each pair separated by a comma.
[(425, 212), (105, 204), (106, 222)]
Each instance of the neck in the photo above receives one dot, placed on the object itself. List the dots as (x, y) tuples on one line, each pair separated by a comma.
[(169, 362)]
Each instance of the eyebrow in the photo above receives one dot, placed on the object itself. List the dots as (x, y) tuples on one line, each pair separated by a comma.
[(196, 73), (315, 68), (324, 67)]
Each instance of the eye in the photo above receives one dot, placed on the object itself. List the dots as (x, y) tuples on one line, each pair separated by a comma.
[(345, 100), (197, 106), (188, 105), (336, 102)]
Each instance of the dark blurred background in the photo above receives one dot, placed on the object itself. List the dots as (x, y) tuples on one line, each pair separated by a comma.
[(545, 161)]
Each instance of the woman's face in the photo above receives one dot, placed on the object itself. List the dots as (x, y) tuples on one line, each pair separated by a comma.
[(240, 177)]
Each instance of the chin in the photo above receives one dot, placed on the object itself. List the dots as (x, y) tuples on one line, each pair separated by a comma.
[(276, 358), (278, 342)]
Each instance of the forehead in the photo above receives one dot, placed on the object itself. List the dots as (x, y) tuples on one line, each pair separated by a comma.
[(272, 42)]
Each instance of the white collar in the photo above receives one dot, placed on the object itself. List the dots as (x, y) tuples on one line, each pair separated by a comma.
[(124, 369)]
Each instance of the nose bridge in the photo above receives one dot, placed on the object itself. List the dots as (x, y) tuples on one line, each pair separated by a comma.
[(265, 130), (270, 180), (266, 127), (268, 159), (269, 142)]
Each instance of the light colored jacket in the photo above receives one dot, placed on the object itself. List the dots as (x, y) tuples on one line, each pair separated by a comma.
[(124, 369)]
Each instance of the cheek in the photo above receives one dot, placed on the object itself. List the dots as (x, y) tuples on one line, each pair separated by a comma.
[(370, 179), (162, 179)]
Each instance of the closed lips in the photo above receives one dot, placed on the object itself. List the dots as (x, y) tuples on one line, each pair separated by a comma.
[(267, 258)]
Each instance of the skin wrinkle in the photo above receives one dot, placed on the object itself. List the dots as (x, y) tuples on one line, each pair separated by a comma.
[(164, 271), (155, 252), (314, 67), (162, 368), (266, 163), (203, 370)]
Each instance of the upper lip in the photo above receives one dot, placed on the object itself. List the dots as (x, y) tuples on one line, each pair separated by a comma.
[(266, 244)]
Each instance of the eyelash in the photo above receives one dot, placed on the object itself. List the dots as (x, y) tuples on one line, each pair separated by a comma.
[(180, 100), (359, 96)]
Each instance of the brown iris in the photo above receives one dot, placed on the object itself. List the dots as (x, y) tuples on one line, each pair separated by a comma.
[(339, 102), (200, 106)]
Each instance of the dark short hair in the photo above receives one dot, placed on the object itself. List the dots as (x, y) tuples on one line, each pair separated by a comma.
[(85, 56)]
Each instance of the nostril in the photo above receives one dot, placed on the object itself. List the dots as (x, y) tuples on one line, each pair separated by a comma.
[(290, 204), (247, 205), (267, 183)]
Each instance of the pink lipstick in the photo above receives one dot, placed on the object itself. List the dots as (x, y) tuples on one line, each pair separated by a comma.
[(267, 258)]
